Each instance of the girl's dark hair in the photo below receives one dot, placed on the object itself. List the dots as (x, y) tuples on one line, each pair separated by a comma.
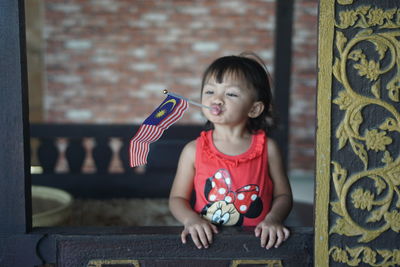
[(254, 72)]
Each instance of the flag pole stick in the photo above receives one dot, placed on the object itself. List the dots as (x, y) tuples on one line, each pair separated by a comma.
[(187, 99)]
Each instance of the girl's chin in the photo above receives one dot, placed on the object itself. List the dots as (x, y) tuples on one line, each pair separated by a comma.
[(217, 120), (212, 117)]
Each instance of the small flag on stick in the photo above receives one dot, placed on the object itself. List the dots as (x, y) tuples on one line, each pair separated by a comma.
[(170, 111)]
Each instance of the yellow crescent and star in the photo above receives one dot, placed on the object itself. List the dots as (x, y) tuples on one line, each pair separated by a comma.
[(163, 111)]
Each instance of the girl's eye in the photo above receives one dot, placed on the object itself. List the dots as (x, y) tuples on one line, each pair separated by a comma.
[(231, 94), (208, 92)]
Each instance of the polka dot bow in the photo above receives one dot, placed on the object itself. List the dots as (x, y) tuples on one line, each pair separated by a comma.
[(220, 191)]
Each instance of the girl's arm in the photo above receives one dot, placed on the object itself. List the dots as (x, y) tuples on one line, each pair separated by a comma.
[(200, 230), (271, 229)]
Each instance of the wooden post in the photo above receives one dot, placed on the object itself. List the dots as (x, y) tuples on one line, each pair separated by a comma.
[(358, 161), (17, 246), (15, 201), (282, 71)]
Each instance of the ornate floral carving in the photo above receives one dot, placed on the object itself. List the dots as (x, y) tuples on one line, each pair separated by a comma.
[(377, 141), (355, 256), (345, 2), (366, 16), (367, 68)]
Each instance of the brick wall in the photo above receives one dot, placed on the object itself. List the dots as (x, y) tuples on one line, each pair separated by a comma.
[(303, 88), (108, 61)]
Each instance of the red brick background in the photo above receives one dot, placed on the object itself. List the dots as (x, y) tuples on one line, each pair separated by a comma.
[(303, 88), (108, 61)]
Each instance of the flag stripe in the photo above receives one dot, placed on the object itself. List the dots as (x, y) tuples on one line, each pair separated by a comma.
[(135, 151), (153, 128), (154, 135), (135, 145), (176, 116), (140, 143)]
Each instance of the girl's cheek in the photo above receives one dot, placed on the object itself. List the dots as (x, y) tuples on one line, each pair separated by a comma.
[(205, 99)]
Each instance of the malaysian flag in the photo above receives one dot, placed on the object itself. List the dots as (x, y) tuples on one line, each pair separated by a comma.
[(170, 110)]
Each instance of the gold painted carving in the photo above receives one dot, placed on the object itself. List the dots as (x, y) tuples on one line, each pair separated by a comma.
[(345, 2), (323, 131), (99, 263), (268, 263), (357, 255), (372, 55), (234, 263)]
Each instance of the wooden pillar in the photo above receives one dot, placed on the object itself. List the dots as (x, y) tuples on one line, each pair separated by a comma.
[(35, 58), (15, 206), (282, 72), (358, 141)]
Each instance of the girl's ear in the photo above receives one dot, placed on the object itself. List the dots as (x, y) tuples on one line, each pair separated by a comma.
[(256, 109)]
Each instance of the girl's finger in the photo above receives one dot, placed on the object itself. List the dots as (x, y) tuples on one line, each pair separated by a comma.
[(257, 231), (272, 239), (264, 236), (280, 238), (286, 233), (195, 238), (209, 234), (202, 236), (183, 236), (214, 228)]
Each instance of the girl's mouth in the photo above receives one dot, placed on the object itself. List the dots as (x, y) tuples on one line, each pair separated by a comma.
[(216, 110)]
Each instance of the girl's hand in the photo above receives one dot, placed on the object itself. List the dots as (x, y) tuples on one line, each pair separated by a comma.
[(200, 230), (272, 231)]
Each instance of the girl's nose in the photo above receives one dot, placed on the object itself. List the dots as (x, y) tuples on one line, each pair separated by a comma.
[(217, 99)]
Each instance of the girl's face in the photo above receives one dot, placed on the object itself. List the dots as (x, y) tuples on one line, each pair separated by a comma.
[(232, 102)]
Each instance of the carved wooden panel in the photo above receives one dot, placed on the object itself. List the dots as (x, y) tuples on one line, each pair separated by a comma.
[(192, 263), (358, 170)]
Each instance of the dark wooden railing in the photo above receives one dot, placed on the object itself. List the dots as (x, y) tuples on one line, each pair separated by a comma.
[(91, 161), (161, 246)]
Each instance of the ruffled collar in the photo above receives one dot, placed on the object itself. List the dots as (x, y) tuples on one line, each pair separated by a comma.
[(255, 150)]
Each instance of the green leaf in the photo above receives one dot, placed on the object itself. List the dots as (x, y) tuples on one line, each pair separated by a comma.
[(354, 253), (363, 10), (360, 151), (369, 236), (365, 32), (385, 254), (336, 70), (342, 136), (339, 176), (342, 227), (376, 89), (355, 121), (376, 215), (380, 185), (389, 124), (337, 208), (395, 177), (356, 55), (341, 40), (344, 100), (380, 47)]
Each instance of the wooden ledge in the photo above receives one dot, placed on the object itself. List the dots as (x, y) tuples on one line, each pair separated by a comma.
[(75, 246)]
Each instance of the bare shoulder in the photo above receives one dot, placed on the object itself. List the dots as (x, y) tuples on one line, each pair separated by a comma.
[(273, 148), (190, 147), (189, 151)]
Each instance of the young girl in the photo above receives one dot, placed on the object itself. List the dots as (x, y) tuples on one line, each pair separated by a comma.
[(234, 168)]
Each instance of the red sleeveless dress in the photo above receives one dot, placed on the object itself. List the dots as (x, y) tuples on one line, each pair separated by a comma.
[(232, 190)]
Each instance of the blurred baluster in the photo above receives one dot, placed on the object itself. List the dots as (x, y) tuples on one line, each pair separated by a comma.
[(102, 154), (88, 163), (116, 163), (48, 154), (75, 155)]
